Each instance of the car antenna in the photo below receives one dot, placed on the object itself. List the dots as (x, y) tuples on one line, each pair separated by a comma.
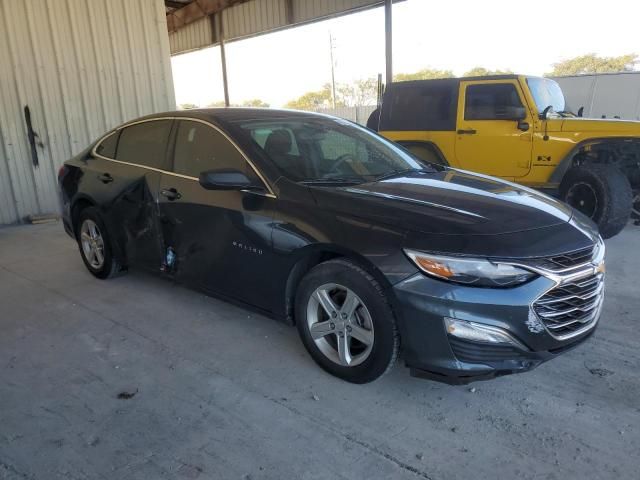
[(581, 111)]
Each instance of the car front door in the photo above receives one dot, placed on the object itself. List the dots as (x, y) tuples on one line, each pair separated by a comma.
[(494, 129), (217, 240), (125, 177)]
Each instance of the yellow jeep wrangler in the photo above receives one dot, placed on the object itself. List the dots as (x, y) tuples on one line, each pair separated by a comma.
[(517, 128)]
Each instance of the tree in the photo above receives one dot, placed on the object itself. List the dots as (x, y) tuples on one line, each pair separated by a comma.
[(255, 102), (188, 106), (424, 74), (483, 72), (359, 93), (591, 63), (312, 100), (216, 104)]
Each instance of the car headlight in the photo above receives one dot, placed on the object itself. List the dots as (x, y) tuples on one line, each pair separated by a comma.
[(477, 272)]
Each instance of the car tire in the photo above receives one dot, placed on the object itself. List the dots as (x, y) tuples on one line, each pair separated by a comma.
[(602, 192), (636, 207), (95, 245), (360, 341)]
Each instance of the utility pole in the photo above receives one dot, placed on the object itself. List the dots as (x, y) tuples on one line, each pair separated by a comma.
[(333, 77)]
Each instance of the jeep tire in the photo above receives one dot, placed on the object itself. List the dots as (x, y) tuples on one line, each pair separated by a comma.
[(601, 192)]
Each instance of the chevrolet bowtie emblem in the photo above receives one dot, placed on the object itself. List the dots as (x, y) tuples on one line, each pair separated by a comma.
[(600, 268)]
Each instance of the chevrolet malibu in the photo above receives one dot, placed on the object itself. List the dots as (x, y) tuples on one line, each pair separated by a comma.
[(326, 225)]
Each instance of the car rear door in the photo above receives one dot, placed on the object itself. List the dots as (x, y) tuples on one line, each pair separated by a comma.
[(217, 240), (489, 139), (124, 177)]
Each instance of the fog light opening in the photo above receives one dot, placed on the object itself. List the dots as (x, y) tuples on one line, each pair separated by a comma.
[(479, 333)]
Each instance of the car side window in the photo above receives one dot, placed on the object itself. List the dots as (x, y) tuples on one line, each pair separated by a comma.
[(491, 101), (107, 147), (200, 148), (145, 143)]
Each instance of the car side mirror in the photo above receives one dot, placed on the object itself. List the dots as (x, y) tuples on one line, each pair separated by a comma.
[(225, 179)]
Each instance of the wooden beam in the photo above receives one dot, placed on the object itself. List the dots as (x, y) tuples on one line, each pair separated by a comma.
[(173, 4), (195, 11)]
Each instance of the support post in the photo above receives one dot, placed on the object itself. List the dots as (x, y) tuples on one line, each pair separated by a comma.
[(223, 58), (333, 76), (388, 37)]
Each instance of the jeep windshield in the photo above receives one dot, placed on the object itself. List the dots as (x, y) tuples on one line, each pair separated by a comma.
[(545, 93), (326, 151)]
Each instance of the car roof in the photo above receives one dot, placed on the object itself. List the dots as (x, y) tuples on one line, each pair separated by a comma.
[(234, 114), (456, 80)]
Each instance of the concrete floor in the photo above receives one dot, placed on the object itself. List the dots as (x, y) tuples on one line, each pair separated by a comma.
[(224, 393)]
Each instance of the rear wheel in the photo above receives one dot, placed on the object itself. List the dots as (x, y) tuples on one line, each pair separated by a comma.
[(95, 245), (345, 321), (601, 192)]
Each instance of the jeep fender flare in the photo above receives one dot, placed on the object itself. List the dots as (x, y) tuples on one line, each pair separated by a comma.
[(426, 143), (567, 161)]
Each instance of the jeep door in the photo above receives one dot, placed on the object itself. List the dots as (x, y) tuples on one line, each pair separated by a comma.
[(494, 129), (220, 239)]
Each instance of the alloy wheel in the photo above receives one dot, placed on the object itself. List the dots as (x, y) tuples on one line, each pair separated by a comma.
[(340, 324), (92, 244)]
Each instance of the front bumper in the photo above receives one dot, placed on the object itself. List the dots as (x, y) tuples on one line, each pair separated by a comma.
[(422, 303)]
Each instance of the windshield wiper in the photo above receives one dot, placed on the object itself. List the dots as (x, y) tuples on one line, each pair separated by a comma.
[(397, 173)]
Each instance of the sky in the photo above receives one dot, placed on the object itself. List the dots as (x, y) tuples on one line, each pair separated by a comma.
[(458, 35)]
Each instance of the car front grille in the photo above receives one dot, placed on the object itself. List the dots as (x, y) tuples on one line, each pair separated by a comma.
[(566, 260), (570, 307)]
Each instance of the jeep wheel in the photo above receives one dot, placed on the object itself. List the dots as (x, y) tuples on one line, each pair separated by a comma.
[(602, 193), (636, 207)]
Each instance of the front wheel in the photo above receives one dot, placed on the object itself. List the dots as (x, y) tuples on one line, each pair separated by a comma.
[(636, 207), (345, 321), (602, 193)]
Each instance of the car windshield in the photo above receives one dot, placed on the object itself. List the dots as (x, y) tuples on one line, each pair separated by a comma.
[(326, 150), (546, 92)]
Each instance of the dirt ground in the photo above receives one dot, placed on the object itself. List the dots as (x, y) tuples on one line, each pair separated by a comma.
[(137, 378)]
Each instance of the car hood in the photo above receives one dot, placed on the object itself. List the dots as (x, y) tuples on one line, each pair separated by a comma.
[(621, 127), (447, 202)]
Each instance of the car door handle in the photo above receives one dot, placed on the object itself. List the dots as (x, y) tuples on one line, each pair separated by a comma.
[(470, 131), (171, 193), (105, 178)]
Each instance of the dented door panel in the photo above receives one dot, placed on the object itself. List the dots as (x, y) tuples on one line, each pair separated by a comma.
[(126, 195)]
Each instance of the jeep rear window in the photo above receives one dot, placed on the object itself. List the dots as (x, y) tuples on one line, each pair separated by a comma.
[(427, 105)]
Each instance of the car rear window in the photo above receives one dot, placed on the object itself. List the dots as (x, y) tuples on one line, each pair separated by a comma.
[(145, 143), (107, 147), (423, 105)]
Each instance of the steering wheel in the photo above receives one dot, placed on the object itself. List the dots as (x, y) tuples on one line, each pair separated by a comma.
[(338, 163)]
